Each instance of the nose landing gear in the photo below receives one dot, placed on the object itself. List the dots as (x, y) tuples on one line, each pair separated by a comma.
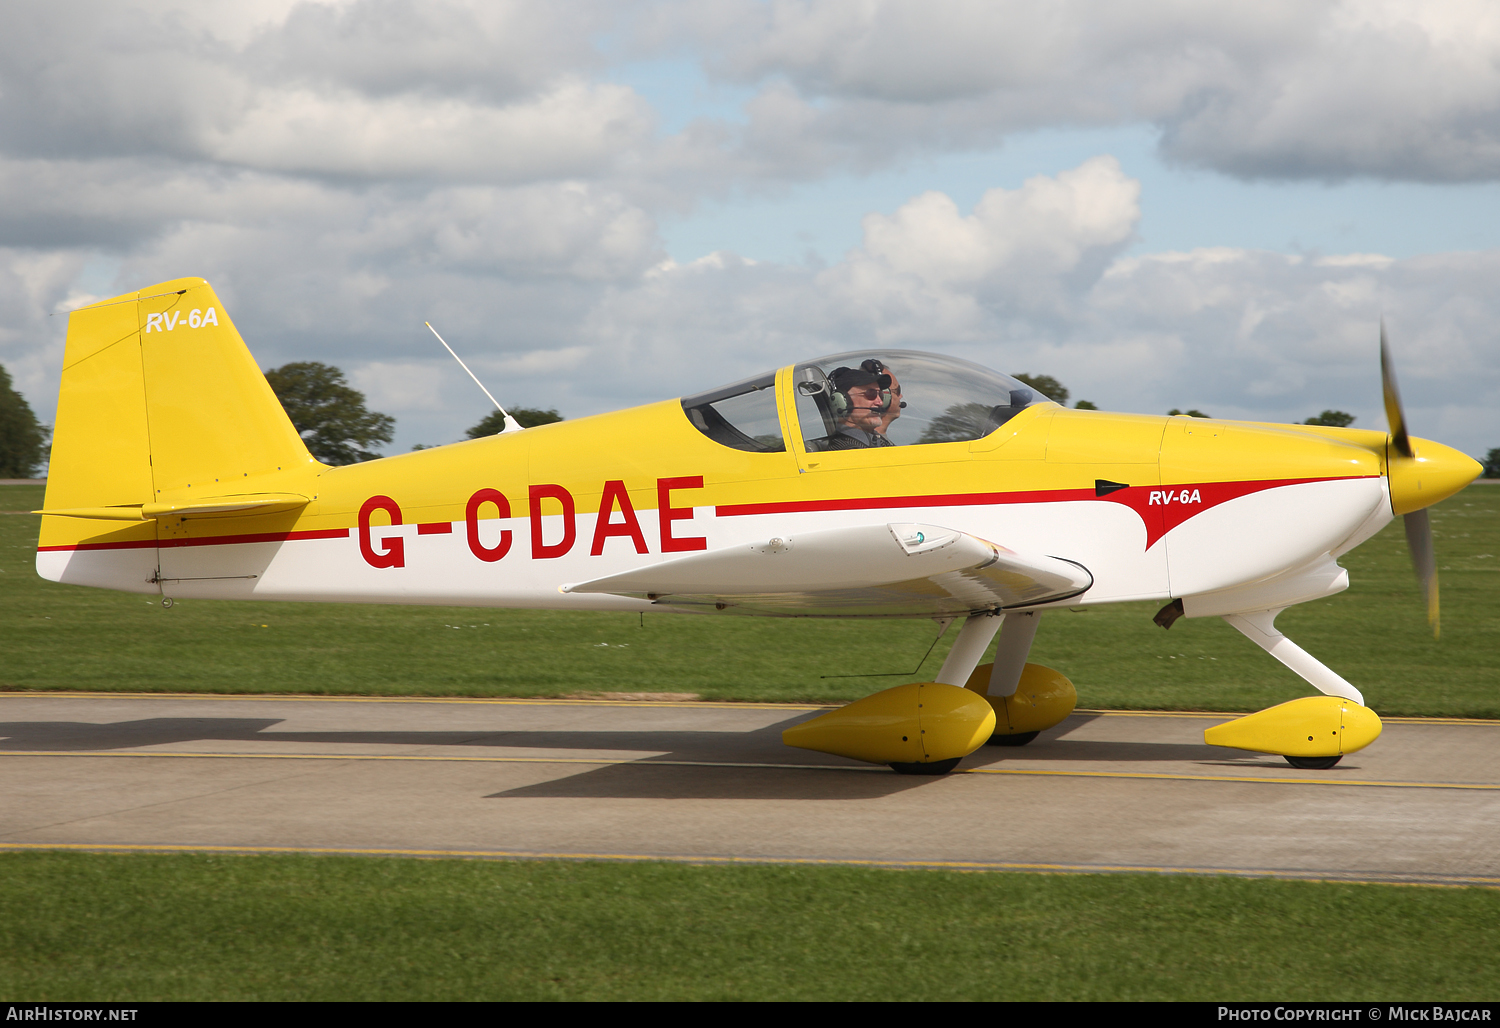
[(1314, 763)]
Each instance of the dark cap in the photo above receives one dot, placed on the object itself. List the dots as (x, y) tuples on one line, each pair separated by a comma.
[(845, 379)]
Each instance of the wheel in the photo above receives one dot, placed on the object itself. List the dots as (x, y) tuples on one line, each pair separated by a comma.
[(1314, 763), (1019, 739), (936, 767)]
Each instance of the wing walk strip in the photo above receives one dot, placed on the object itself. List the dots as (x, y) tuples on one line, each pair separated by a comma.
[(650, 762), (1374, 878)]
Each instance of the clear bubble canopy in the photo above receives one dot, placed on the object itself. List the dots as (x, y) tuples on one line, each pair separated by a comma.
[(865, 399)]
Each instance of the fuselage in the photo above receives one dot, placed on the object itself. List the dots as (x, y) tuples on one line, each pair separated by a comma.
[(1154, 507)]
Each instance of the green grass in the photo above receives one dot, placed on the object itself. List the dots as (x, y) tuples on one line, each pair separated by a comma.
[(130, 928), (1375, 634), (79, 926)]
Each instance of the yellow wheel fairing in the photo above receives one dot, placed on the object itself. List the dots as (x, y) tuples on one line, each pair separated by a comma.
[(923, 722), (1313, 726), (1043, 698)]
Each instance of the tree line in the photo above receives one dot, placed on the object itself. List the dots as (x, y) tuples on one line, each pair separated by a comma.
[(331, 417), (23, 439)]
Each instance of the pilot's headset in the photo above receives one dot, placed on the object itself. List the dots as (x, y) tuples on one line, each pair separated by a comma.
[(883, 376)]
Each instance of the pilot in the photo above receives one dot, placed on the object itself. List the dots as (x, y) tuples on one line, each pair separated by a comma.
[(861, 400)]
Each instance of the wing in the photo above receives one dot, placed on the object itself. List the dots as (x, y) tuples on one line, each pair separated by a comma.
[(870, 570)]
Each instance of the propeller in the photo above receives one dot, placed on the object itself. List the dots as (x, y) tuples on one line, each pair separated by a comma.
[(1401, 457)]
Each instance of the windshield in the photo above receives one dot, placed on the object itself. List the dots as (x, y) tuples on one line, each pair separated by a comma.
[(741, 415), (875, 398)]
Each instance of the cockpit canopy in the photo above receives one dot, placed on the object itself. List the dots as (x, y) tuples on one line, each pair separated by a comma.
[(865, 399)]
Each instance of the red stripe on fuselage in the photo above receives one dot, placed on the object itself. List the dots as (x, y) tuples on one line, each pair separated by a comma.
[(1159, 517), (1168, 510), (877, 502)]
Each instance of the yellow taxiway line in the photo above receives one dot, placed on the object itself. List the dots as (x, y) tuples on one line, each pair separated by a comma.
[(1258, 779), (594, 701), (1202, 714), (598, 761), (713, 859), (512, 701), (652, 762)]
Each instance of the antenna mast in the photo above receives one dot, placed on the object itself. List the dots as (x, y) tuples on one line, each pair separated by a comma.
[(511, 424)]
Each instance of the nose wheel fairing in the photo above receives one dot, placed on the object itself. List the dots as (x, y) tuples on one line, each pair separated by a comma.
[(1307, 731)]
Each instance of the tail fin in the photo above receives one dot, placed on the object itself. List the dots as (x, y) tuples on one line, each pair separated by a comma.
[(162, 406)]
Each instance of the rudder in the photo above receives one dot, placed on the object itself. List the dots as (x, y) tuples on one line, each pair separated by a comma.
[(161, 403)]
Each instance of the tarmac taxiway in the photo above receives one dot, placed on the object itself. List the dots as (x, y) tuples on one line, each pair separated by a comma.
[(712, 782)]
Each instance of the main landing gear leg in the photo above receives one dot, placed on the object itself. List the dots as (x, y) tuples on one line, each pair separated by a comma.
[(968, 650), (1010, 660), (1010, 656)]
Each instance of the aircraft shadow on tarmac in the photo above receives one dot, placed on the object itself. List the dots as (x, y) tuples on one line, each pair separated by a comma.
[(120, 735), (657, 776), (761, 746), (1100, 751), (648, 779)]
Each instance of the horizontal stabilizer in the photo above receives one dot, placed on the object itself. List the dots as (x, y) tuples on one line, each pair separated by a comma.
[(871, 570), (209, 506), (121, 513)]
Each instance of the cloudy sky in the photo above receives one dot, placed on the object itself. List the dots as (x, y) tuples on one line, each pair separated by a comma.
[(1161, 203)]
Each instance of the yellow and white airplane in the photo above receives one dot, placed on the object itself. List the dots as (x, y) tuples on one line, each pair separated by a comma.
[(879, 484)]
